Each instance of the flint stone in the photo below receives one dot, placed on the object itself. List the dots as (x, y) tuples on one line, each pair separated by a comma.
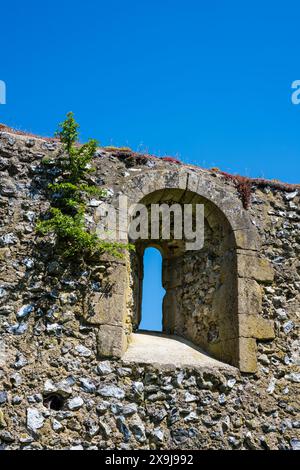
[(21, 362), (87, 385), (83, 351), (138, 429), (75, 403), (18, 329), (63, 387), (8, 239), (111, 391), (295, 444), (103, 368), (16, 379), (25, 311), (291, 196), (35, 419), (105, 429), (7, 437), (3, 293), (138, 387), (293, 377), (130, 409), (288, 327), (3, 397), (189, 397), (56, 425)]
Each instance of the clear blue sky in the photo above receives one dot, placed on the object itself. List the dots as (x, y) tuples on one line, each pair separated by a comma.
[(208, 81), (153, 291)]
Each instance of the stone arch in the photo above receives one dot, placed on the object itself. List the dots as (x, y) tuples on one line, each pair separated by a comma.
[(196, 282), (245, 234), (237, 301)]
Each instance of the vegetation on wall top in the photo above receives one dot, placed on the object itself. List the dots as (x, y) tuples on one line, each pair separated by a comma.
[(69, 193)]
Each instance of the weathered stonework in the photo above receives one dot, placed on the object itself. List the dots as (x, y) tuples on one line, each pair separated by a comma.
[(64, 329)]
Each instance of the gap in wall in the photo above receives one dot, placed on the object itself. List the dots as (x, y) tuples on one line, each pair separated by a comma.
[(153, 292)]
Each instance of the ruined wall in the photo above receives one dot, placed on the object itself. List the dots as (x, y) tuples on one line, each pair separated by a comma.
[(55, 389)]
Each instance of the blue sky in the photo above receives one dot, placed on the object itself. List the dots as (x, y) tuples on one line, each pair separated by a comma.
[(208, 81), (153, 291)]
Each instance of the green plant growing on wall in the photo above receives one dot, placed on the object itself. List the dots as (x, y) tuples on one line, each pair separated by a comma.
[(69, 194)]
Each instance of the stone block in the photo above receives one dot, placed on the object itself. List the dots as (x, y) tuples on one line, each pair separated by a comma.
[(247, 355), (193, 182), (101, 309), (247, 239), (254, 326), (252, 267), (249, 297), (183, 177), (111, 341), (117, 279)]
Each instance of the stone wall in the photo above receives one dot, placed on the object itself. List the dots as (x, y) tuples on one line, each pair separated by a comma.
[(57, 321)]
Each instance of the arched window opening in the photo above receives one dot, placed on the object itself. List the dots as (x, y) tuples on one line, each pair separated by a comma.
[(199, 303), (153, 292)]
